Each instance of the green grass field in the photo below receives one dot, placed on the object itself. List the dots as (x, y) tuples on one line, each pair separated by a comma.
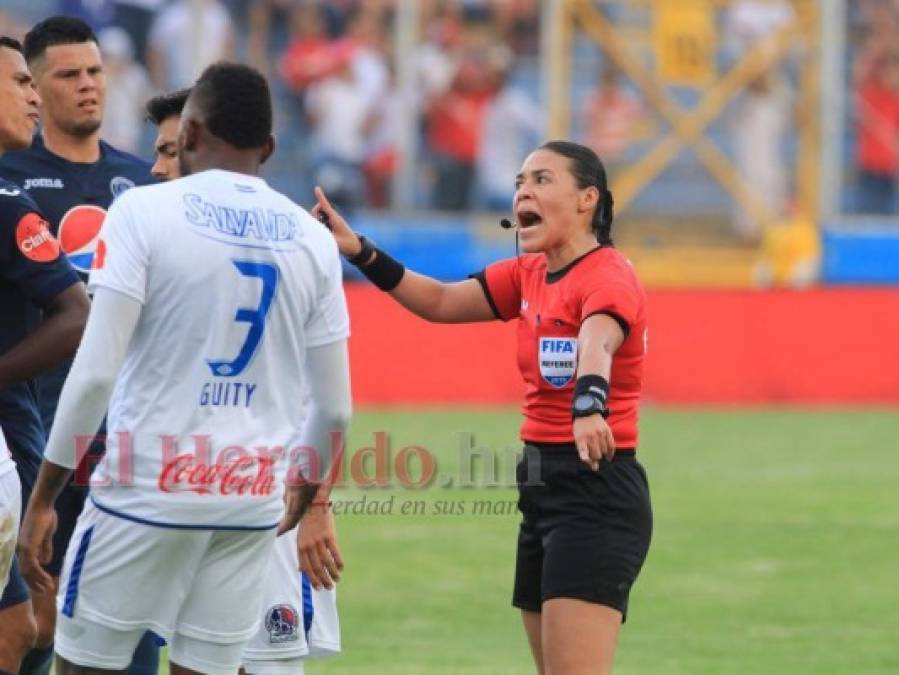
[(776, 550)]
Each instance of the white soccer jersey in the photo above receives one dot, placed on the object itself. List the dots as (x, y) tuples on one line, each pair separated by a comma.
[(6, 463), (236, 283)]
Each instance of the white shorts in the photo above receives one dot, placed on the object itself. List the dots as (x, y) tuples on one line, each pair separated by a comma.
[(198, 589), (297, 621), (10, 513)]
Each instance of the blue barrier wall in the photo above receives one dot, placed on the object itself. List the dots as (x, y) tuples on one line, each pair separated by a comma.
[(864, 253), (448, 248)]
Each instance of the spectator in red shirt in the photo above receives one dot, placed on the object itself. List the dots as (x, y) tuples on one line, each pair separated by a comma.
[(877, 114), (454, 126), (586, 515)]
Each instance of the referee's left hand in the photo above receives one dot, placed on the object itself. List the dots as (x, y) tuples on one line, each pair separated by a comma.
[(594, 440)]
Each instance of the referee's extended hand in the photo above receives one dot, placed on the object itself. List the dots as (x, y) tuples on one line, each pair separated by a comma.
[(346, 239), (594, 440), (320, 558)]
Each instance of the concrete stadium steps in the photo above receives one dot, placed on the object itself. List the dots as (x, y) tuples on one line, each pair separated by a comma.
[(699, 252), (697, 266)]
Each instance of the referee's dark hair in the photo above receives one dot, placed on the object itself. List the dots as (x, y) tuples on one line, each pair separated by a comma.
[(588, 170), (10, 43), (160, 108), (57, 30), (236, 104)]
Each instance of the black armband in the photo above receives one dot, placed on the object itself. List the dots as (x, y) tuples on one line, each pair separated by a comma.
[(384, 271)]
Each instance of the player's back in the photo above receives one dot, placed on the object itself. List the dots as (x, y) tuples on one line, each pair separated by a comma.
[(236, 283)]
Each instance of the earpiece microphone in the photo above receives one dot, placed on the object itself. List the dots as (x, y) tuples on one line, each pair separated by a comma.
[(507, 224)]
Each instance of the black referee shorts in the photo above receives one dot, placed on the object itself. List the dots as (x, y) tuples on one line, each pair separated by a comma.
[(584, 534)]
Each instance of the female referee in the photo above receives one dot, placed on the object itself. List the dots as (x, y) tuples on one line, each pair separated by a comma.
[(584, 499)]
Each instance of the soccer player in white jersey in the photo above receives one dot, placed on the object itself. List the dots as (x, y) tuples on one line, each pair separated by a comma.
[(298, 620), (218, 310)]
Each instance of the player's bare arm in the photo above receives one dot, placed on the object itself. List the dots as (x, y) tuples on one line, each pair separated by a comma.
[(54, 341), (432, 300), (82, 405), (599, 338), (35, 545), (328, 374)]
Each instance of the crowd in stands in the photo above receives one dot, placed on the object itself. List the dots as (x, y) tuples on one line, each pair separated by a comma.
[(333, 69), (875, 103)]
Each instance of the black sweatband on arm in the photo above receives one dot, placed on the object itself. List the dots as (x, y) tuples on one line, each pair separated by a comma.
[(595, 385), (384, 271)]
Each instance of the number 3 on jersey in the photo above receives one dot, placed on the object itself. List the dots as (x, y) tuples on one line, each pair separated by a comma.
[(268, 274)]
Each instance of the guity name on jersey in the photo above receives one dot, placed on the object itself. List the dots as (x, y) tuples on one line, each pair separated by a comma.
[(222, 394)]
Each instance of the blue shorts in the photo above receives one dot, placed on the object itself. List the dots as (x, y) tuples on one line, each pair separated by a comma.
[(16, 591)]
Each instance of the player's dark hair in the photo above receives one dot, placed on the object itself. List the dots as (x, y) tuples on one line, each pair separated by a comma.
[(236, 104), (160, 108), (588, 170), (57, 30), (10, 43)]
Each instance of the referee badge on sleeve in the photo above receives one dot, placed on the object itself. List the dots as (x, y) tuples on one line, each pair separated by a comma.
[(558, 359)]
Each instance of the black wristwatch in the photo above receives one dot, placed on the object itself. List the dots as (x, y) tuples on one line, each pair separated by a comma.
[(365, 253), (585, 405)]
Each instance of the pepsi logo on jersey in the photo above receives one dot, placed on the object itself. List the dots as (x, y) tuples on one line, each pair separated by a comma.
[(79, 231)]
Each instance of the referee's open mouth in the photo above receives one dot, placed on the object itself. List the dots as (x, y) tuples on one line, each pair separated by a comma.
[(527, 218)]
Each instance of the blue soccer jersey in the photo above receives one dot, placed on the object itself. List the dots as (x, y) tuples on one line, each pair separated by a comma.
[(32, 272), (74, 197)]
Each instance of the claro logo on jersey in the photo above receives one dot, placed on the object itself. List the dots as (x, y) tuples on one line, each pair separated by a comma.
[(558, 359), (34, 239), (243, 476), (79, 232)]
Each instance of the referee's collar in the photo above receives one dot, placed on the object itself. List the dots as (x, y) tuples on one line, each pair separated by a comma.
[(553, 277)]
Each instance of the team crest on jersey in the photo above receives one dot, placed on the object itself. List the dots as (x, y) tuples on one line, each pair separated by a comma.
[(282, 623), (119, 186), (34, 239), (558, 359), (79, 231)]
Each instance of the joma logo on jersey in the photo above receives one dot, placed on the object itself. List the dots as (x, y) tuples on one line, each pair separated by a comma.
[(52, 183), (566, 346)]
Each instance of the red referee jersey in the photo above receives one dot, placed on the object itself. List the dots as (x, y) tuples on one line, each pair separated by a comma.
[(551, 308)]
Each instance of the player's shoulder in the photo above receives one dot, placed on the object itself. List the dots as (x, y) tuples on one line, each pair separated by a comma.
[(28, 162), (9, 189), (15, 202), (310, 227), (132, 167), (143, 202)]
